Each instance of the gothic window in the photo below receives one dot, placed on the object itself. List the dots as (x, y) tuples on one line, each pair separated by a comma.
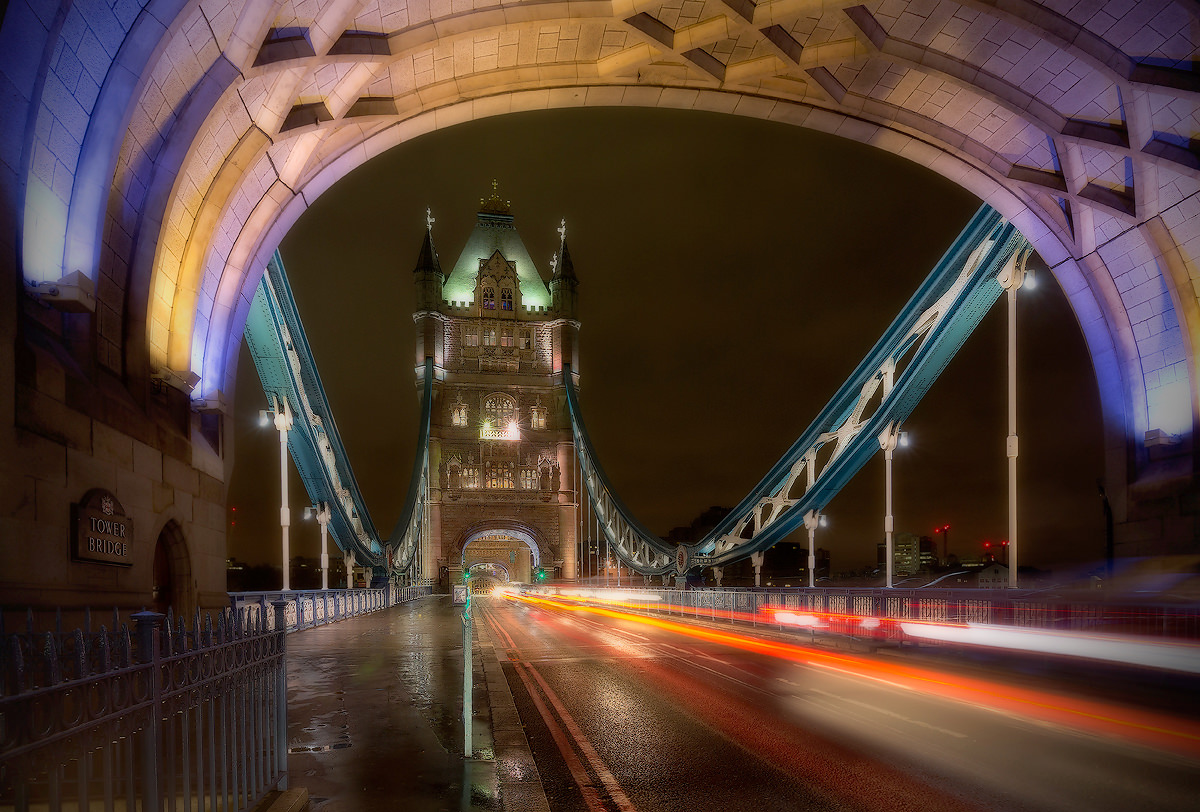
[(506, 337), (459, 415), (500, 476), (489, 337), (506, 298), (470, 337), (489, 298), (499, 410), (526, 341), (529, 479), (537, 418), (470, 477)]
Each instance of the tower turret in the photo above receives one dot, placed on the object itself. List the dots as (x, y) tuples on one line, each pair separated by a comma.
[(564, 285), (564, 301), (427, 275), (428, 278)]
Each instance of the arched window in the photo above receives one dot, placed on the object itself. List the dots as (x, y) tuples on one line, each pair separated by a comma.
[(506, 299), (489, 298), (499, 410)]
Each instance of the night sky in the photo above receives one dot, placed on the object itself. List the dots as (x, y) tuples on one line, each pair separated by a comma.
[(732, 274)]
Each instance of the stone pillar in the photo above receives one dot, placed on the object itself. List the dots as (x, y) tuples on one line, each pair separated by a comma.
[(568, 506), (757, 560), (717, 573)]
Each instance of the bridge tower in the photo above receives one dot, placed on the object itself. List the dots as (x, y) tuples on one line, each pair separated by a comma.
[(501, 454)]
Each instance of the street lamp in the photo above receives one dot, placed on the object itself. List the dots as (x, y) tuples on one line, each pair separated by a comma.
[(320, 512), (1011, 279), (811, 520), (888, 440), (283, 423)]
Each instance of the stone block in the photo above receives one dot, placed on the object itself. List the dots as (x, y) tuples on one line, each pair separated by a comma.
[(53, 504), (53, 419), (163, 497), (147, 461), (179, 474), (135, 492), (108, 443), (40, 458), (85, 472), (17, 496), (211, 489), (183, 505)]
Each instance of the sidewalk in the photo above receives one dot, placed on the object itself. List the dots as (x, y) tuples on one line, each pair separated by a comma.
[(375, 717)]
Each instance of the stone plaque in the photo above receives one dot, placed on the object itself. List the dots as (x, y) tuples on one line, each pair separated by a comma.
[(103, 533)]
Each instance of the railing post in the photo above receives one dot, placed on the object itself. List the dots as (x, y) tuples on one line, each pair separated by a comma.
[(281, 739), (147, 631)]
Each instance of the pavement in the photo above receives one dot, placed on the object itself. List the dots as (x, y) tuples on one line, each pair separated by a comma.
[(375, 717)]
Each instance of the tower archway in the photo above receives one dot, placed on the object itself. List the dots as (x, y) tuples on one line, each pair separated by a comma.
[(172, 585)]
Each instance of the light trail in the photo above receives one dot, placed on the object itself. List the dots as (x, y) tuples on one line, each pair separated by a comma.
[(525, 670), (1145, 727), (1176, 655)]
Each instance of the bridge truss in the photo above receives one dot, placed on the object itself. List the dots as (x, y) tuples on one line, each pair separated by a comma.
[(288, 372), (877, 397)]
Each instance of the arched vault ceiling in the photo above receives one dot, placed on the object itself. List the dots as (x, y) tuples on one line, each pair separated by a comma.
[(215, 123)]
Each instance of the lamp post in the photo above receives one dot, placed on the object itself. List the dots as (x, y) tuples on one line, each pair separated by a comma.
[(888, 440), (811, 520), (283, 423), (320, 512), (1011, 279)]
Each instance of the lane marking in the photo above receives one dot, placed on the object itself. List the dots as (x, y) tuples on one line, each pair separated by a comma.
[(884, 712), (601, 769), (591, 795), (578, 772)]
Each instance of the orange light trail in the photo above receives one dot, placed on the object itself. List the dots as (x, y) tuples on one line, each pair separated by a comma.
[(1145, 727)]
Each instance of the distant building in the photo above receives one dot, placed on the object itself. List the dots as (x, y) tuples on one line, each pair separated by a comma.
[(993, 576)]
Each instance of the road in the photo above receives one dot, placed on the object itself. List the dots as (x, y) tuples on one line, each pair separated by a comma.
[(624, 714)]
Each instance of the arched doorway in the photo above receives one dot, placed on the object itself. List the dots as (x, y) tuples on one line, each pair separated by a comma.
[(171, 578), (513, 550)]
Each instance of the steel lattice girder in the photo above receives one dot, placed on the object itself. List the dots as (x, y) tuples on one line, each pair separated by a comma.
[(287, 370), (884, 389)]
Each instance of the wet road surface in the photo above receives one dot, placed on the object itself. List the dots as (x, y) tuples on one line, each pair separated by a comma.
[(624, 715), (374, 714)]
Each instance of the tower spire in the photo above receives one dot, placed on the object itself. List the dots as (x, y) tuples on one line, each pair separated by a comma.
[(428, 258)]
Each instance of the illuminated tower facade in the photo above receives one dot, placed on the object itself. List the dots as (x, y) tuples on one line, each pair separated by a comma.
[(501, 454)]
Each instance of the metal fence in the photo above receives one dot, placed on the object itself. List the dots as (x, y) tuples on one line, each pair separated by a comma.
[(843, 611), (165, 717), (305, 608)]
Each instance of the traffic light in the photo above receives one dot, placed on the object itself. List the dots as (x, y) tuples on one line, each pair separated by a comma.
[(541, 573)]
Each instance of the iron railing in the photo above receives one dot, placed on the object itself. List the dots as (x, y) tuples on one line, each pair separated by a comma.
[(165, 717), (305, 608)]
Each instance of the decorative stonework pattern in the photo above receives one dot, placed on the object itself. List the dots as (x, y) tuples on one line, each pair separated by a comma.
[(1078, 118)]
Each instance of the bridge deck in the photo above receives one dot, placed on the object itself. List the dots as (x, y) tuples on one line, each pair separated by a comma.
[(374, 717)]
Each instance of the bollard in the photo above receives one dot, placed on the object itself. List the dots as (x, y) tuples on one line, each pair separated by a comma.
[(467, 675)]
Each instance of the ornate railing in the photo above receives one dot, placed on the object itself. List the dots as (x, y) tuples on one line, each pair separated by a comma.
[(165, 716), (306, 608)]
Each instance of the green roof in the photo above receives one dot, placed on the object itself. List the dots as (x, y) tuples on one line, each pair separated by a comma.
[(495, 232)]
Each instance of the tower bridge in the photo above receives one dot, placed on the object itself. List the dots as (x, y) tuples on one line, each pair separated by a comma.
[(154, 153)]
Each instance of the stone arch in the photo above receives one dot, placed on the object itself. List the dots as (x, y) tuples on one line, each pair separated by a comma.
[(498, 564), (1077, 121), (172, 584), (538, 548)]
